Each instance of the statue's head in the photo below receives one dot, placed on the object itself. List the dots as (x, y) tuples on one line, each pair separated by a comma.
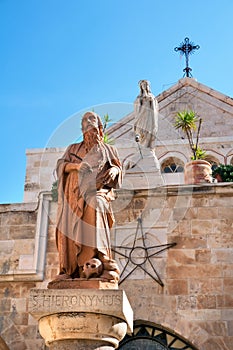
[(92, 122), (144, 85)]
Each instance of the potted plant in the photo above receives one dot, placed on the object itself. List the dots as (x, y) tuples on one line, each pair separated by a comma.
[(223, 173), (197, 170)]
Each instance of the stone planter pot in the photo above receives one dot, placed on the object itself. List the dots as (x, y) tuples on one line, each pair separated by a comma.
[(197, 171)]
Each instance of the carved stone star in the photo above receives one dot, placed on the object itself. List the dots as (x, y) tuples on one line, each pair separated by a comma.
[(137, 255)]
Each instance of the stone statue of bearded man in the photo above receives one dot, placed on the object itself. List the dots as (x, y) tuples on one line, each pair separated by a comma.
[(87, 174)]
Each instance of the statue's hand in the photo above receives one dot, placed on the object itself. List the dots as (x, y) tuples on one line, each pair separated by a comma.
[(110, 175), (85, 168)]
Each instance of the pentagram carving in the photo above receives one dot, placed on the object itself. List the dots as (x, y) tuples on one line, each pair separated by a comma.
[(138, 255)]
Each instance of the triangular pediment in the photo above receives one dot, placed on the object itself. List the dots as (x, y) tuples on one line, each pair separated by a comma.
[(215, 108)]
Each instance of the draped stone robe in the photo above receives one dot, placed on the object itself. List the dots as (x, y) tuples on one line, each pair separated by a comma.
[(146, 119), (84, 215)]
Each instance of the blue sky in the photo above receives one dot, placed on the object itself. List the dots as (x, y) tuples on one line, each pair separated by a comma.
[(60, 57)]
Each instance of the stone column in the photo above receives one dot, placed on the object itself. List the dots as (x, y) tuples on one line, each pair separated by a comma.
[(81, 319)]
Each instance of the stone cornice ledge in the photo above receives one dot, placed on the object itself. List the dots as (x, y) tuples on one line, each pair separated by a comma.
[(225, 188)]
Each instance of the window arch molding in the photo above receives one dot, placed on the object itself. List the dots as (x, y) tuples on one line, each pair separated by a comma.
[(147, 335), (172, 165), (229, 157), (213, 161), (173, 154)]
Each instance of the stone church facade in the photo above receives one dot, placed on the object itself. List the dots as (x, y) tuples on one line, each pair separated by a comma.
[(178, 276)]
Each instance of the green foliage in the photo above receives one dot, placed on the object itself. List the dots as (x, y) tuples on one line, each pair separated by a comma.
[(106, 121), (54, 191), (200, 154), (186, 121), (225, 172), (189, 122), (108, 140)]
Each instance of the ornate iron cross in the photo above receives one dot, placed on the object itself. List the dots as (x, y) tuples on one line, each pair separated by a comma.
[(187, 48)]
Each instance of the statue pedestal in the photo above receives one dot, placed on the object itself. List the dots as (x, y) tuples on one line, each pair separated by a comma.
[(142, 170), (82, 283), (78, 319)]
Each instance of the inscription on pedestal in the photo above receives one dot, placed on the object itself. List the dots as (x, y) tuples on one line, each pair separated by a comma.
[(114, 302), (69, 301)]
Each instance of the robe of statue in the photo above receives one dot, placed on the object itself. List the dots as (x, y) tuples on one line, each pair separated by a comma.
[(84, 216), (146, 119)]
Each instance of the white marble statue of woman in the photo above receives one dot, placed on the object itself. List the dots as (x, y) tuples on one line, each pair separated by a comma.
[(146, 116)]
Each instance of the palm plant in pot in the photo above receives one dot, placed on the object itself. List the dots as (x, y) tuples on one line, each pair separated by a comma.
[(197, 170)]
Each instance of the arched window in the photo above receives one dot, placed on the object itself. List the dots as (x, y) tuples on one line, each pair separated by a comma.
[(172, 165), (213, 161), (152, 337)]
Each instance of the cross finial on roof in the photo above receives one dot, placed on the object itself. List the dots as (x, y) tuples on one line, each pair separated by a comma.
[(187, 48)]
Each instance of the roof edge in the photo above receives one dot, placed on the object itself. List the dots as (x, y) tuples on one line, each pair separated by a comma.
[(199, 86)]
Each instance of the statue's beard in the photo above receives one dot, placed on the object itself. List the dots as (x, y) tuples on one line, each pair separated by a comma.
[(91, 138)]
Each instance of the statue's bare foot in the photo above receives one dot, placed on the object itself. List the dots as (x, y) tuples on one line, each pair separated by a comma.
[(111, 265), (111, 271), (58, 280), (62, 277), (110, 276)]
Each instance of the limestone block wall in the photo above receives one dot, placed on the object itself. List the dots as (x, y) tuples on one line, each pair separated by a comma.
[(17, 242), (196, 299), (23, 248), (17, 228), (40, 174)]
